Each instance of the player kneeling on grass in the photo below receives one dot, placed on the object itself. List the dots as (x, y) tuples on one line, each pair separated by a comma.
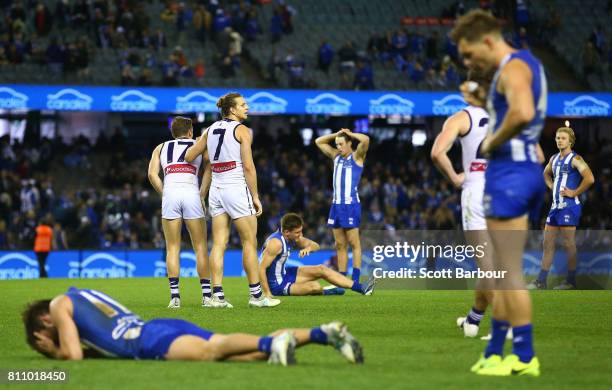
[(280, 280), (58, 328)]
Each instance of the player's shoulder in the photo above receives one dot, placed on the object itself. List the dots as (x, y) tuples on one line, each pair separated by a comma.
[(60, 303), (274, 244)]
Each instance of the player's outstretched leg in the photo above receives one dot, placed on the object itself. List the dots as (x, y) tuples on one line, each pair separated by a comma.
[(307, 274)]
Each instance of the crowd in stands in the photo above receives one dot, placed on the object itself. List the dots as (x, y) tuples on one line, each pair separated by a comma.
[(163, 48), (118, 209)]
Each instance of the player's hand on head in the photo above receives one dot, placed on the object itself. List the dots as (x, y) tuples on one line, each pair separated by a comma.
[(473, 93), (44, 342)]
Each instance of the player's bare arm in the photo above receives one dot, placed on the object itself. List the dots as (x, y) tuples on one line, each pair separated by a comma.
[(198, 148), (323, 143), (250, 174), (307, 246), (587, 178), (362, 146), (60, 315), (207, 177), (153, 174), (548, 174), (540, 154), (515, 84), (456, 125), (273, 248)]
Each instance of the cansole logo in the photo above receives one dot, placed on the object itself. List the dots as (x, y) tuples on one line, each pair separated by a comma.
[(101, 265), (133, 100), (598, 265), (11, 99), (586, 105), (448, 105), (197, 101), (18, 266), (328, 103), (266, 103), (186, 272), (69, 99), (391, 104)]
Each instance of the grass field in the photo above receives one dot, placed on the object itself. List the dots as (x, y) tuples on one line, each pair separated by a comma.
[(409, 338)]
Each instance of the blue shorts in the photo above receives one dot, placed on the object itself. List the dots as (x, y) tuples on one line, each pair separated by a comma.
[(284, 287), (346, 216), (567, 216), (513, 189), (157, 335)]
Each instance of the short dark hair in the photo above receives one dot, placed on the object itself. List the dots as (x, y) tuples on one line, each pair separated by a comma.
[(180, 126), (291, 221), (31, 321), (227, 102), (474, 24)]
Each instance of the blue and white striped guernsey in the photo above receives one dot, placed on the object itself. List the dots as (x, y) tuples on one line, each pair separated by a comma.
[(276, 270), (565, 176), (347, 174)]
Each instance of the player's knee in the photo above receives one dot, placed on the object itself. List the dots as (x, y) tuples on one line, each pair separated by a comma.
[(569, 244), (341, 245), (314, 288), (321, 270)]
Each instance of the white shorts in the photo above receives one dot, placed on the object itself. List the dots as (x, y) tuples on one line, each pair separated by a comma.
[(182, 202), (472, 210), (236, 201)]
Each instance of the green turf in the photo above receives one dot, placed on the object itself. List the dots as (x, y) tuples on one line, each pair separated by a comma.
[(409, 337)]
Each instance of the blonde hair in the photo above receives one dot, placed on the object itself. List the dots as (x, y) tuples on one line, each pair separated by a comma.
[(474, 24), (569, 132)]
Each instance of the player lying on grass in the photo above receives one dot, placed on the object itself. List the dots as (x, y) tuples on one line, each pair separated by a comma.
[(280, 280), (88, 323)]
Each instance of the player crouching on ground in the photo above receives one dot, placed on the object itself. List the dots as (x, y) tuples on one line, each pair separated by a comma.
[(60, 327), (280, 280)]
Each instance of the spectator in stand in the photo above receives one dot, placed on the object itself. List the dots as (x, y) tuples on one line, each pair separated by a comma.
[(199, 70), (42, 19), (325, 56), (276, 26), (347, 56), (251, 28), (364, 78)]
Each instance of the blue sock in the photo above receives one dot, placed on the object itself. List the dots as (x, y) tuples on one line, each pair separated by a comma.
[(498, 337), (522, 343), (357, 287), (318, 336), (543, 275), (571, 277), (265, 344), (344, 273), (475, 316), (356, 274), (333, 291)]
